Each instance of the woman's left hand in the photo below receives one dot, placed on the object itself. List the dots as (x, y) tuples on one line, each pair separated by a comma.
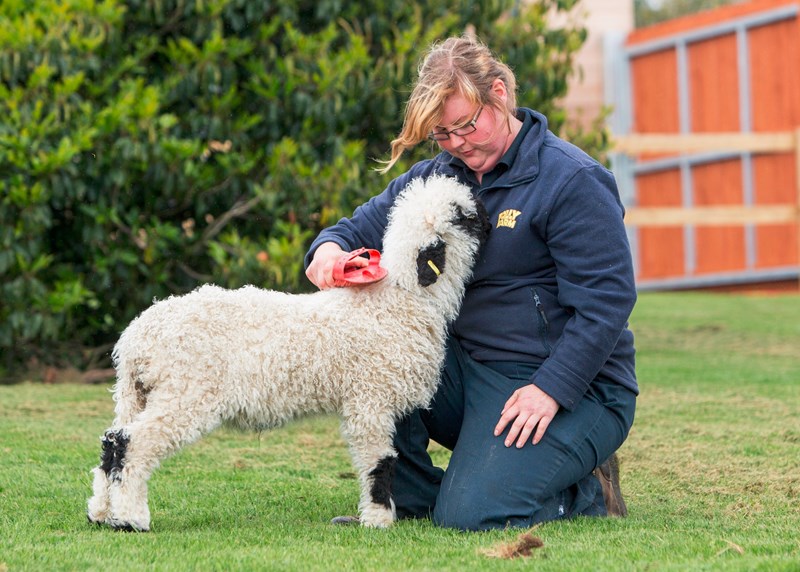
[(530, 408)]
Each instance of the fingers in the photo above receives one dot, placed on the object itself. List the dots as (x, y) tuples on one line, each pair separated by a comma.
[(542, 426), (529, 411), (320, 271), (321, 277), (523, 422), (523, 427), (509, 412)]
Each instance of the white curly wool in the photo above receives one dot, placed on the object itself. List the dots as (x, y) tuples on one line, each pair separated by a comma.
[(258, 358)]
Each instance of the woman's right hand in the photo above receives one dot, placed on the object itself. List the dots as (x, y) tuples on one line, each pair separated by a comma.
[(320, 271)]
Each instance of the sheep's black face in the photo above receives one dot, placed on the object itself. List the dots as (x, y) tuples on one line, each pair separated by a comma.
[(430, 262), (431, 259), (476, 224)]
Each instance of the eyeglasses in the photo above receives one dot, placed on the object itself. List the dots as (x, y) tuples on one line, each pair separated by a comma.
[(460, 131)]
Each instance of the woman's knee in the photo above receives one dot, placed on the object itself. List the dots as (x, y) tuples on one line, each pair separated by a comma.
[(476, 514), (466, 520)]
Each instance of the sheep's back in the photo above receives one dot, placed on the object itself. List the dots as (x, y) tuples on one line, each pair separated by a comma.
[(271, 355)]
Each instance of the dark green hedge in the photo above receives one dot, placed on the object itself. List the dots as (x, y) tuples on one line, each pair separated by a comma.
[(151, 145)]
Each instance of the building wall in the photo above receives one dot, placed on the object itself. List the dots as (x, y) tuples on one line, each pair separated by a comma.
[(608, 22)]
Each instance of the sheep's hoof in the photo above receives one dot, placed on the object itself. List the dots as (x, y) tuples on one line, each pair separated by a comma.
[(97, 512), (127, 526), (376, 523), (377, 518)]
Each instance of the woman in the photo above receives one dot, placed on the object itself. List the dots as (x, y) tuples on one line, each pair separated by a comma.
[(539, 387)]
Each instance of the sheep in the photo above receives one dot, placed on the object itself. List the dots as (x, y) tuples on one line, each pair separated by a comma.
[(257, 358)]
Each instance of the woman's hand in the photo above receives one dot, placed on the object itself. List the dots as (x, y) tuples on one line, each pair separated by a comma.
[(530, 408), (320, 271)]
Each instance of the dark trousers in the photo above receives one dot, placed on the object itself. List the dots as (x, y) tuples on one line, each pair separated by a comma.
[(487, 485)]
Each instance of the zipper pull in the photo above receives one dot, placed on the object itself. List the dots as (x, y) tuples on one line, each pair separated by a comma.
[(539, 307)]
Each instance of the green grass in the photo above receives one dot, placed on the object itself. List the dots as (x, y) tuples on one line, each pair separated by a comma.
[(711, 473)]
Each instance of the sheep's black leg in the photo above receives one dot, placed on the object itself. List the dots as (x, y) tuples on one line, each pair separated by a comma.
[(381, 476), (112, 458), (375, 459), (107, 454)]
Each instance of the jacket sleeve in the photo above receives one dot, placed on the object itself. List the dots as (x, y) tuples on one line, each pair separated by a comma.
[(594, 274)]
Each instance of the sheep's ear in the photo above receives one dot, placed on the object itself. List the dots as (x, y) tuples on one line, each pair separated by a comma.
[(430, 262)]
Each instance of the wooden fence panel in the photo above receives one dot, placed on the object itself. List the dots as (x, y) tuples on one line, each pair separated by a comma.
[(715, 102), (776, 181), (775, 75), (713, 85), (719, 248), (655, 93), (776, 105), (660, 247)]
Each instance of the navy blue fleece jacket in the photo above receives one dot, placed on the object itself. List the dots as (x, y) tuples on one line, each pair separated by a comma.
[(554, 284)]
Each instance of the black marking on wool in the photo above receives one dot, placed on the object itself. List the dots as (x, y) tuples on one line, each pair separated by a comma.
[(476, 224), (431, 254), (141, 394), (107, 454), (382, 476), (112, 459)]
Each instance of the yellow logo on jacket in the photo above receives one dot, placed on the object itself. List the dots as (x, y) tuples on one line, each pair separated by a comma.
[(508, 218)]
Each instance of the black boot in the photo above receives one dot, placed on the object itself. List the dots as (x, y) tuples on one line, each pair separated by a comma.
[(608, 475)]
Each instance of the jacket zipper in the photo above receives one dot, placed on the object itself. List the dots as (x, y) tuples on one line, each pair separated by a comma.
[(544, 325)]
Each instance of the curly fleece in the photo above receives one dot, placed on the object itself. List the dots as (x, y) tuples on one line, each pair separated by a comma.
[(258, 358)]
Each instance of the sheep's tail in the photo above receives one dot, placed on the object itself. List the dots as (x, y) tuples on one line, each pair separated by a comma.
[(130, 393)]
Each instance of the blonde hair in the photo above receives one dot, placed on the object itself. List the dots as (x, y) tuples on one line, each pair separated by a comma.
[(459, 65)]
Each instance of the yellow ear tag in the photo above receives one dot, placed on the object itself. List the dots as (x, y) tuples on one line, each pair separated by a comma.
[(434, 268)]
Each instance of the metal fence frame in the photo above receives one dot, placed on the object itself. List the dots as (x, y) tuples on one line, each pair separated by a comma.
[(687, 149)]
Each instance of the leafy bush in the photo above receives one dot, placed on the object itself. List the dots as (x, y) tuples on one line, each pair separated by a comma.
[(148, 146)]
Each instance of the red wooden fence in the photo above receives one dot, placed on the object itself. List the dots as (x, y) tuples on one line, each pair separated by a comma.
[(733, 72)]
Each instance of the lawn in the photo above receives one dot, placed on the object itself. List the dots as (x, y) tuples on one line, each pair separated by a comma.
[(710, 472)]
